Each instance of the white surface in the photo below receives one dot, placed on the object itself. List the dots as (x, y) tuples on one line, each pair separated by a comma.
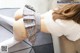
[(7, 19), (4, 34), (9, 42), (41, 6), (12, 3)]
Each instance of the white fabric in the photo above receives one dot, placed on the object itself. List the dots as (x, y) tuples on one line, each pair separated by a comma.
[(59, 27), (52, 27)]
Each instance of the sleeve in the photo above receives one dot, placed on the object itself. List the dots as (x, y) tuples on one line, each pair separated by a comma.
[(52, 26)]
